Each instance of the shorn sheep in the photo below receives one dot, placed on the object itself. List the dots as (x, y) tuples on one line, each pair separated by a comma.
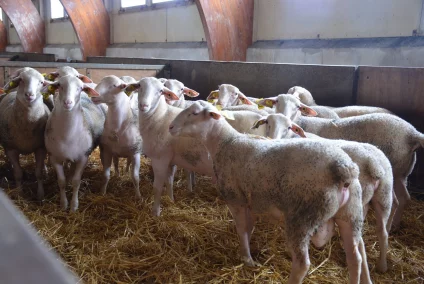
[(23, 118), (73, 131), (120, 137), (229, 95), (164, 150), (258, 176), (375, 176), (394, 136)]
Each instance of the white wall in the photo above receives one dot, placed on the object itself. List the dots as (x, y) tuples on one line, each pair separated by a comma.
[(306, 19)]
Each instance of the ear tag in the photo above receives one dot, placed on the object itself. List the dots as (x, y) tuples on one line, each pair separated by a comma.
[(213, 95), (258, 123), (228, 115), (45, 95), (259, 105), (51, 89), (269, 103), (212, 101), (128, 93), (219, 107)]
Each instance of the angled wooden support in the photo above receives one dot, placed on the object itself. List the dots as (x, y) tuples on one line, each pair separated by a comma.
[(3, 36), (228, 26), (91, 24), (28, 23)]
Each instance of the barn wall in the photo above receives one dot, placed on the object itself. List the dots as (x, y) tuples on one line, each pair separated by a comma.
[(362, 32)]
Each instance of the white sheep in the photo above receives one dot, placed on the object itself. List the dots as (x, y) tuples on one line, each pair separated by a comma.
[(164, 150), (120, 137), (73, 131), (306, 97), (256, 176), (375, 177), (180, 90), (228, 95), (23, 118), (394, 136)]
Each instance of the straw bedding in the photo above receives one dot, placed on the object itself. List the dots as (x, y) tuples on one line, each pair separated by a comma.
[(113, 238)]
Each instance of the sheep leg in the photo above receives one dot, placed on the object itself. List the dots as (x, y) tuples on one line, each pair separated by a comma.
[(190, 180), (116, 165), (382, 214), (395, 205), (353, 256), (324, 233), (61, 180), (13, 156), (160, 172), (244, 227), (76, 181), (107, 161), (40, 156), (127, 169), (135, 173), (299, 251), (193, 178), (403, 196), (169, 183)]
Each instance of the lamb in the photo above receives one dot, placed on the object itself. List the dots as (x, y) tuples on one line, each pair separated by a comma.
[(318, 111), (228, 95), (73, 131), (164, 150), (249, 122), (23, 118), (394, 136), (271, 177), (375, 177), (180, 90), (120, 137), (306, 97)]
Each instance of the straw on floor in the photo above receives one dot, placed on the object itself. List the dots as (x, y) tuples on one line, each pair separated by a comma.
[(114, 239)]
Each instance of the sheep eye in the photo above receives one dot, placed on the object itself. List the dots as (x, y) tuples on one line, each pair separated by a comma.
[(195, 113)]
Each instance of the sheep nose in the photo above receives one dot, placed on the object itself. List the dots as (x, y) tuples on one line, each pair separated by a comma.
[(68, 102), (29, 94), (170, 127), (143, 106)]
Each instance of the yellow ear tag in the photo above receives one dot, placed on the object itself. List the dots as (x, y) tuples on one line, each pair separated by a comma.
[(258, 123), (214, 95), (45, 95), (51, 89), (128, 93), (219, 107), (228, 115), (259, 105), (44, 75), (269, 103)]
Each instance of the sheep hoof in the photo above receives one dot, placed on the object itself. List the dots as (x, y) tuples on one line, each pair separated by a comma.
[(248, 261), (382, 267), (156, 212)]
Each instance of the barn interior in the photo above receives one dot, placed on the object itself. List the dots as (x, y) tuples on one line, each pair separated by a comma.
[(353, 52)]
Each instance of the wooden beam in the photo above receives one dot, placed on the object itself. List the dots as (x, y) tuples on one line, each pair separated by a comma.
[(27, 22), (3, 36), (228, 26), (91, 24)]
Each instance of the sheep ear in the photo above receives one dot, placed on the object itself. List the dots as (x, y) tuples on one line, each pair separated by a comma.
[(131, 88), (244, 99), (227, 114), (298, 130), (190, 92), (2, 91), (12, 84), (84, 78), (215, 115), (169, 95), (268, 102), (213, 95), (51, 76), (90, 92), (49, 89), (259, 123), (122, 86), (307, 111)]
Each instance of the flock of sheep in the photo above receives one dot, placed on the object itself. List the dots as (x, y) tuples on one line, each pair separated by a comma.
[(353, 157)]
